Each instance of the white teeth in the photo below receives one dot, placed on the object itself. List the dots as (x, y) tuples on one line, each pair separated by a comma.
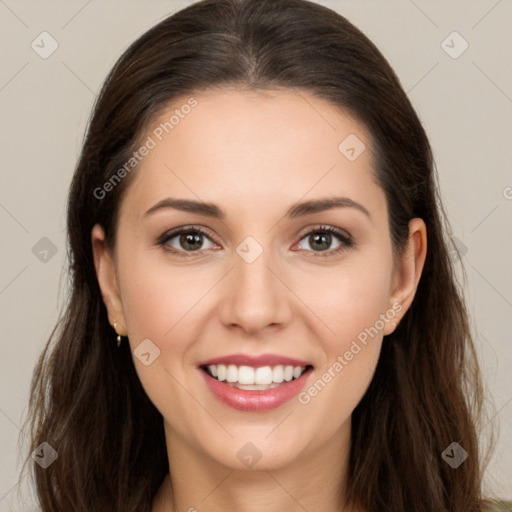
[(263, 375), (221, 371), (278, 373), (247, 377), (255, 387), (232, 373)]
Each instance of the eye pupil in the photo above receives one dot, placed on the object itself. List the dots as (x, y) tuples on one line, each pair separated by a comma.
[(188, 239), (318, 237)]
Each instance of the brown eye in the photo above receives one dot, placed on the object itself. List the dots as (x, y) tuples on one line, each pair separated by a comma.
[(185, 240), (320, 241), (190, 240)]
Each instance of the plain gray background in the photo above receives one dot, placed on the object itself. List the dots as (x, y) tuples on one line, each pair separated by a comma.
[(464, 99)]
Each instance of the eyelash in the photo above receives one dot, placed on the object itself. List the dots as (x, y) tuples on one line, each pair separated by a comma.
[(346, 240)]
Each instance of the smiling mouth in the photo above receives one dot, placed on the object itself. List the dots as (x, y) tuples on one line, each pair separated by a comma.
[(255, 378)]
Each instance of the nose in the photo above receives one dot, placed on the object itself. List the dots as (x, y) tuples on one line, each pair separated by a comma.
[(256, 298)]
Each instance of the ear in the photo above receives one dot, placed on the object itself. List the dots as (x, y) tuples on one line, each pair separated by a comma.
[(407, 272), (107, 279)]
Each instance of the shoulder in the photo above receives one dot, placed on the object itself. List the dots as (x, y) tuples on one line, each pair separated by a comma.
[(498, 506)]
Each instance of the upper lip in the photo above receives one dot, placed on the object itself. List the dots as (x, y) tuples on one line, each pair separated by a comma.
[(255, 361)]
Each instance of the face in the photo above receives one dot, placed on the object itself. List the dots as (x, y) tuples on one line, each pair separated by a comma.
[(241, 274)]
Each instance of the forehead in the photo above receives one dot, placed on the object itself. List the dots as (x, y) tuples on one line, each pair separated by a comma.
[(254, 148)]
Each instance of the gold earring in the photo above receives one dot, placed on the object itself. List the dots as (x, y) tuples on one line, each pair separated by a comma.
[(118, 335)]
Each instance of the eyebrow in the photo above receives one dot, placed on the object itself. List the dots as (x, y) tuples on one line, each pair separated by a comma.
[(297, 210)]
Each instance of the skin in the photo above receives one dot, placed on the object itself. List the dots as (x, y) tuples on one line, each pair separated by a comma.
[(255, 155)]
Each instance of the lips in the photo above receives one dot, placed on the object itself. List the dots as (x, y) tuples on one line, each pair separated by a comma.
[(255, 361), (253, 398)]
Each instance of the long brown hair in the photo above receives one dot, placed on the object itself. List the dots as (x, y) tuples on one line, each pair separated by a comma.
[(86, 399)]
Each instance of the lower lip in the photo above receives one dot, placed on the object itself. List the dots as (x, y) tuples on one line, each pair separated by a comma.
[(252, 399)]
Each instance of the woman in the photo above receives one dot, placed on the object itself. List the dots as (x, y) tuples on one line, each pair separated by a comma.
[(263, 311)]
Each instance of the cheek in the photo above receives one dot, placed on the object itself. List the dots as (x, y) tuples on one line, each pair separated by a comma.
[(156, 297), (350, 299), (159, 304), (353, 303), (354, 306)]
